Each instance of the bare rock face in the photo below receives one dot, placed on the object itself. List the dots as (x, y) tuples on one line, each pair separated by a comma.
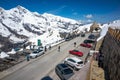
[(111, 50)]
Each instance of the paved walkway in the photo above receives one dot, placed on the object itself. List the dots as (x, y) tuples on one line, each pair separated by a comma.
[(97, 73), (82, 73)]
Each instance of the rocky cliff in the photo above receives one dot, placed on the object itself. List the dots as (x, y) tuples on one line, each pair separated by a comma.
[(111, 50)]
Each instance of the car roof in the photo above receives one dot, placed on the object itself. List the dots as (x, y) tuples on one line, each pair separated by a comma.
[(75, 58), (62, 65)]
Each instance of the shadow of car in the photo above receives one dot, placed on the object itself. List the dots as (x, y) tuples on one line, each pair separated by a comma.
[(63, 71)]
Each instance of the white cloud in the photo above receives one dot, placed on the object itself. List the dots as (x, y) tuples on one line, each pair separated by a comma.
[(89, 20), (89, 16), (75, 13)]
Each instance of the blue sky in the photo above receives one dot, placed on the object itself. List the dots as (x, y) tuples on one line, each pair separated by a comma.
[(86, 10)]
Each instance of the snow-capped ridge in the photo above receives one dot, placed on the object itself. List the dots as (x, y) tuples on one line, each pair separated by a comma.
[(59, 18), (19, 24)]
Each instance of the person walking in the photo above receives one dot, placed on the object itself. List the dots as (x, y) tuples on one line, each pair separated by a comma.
[(28, 57), (49, 47), (74, 44), (45, 48), (59, 48)]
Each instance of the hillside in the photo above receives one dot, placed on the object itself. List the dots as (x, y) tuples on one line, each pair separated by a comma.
[(19, 25)]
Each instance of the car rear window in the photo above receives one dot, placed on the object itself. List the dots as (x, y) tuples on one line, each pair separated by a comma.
[(81, 62), (64, 66), (68, 71)]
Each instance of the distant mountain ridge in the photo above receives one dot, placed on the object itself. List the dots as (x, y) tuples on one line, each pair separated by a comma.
[(19, 24)]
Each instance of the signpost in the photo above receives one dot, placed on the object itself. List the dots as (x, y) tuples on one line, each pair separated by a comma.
[(39, 42)]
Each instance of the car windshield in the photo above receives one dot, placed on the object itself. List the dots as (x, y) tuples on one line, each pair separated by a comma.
[(35, 52), (81, 62), (67, 71), (76, 50)]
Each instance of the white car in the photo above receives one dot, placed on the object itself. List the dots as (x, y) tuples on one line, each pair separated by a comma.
[(74, 62), (36, 53)]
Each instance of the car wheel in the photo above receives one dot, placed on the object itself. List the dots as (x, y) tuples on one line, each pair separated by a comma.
[(75, 68), (36, 56), (65, 62)]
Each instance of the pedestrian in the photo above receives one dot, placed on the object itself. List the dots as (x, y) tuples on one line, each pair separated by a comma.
[(28, 57), (49, 47), (59, 48), (74, 44), (45, 48)]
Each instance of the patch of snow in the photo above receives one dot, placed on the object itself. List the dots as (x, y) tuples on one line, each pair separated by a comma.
[(12, 52), (3, 55), (15, 39), (114, 25)]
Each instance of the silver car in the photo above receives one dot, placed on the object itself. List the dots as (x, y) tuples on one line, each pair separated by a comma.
[(74, 62), (36, 53)]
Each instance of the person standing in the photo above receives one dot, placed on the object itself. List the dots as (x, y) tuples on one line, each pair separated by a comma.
[(45, 48), (74, 44), (28, 57), (59, 48), (50, 47)]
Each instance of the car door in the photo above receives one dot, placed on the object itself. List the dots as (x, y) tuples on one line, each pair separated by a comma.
[(71, 62)]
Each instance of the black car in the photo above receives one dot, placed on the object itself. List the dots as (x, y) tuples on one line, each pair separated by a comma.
[(91, 36), (83, 35), (89, 41), (63, 71)]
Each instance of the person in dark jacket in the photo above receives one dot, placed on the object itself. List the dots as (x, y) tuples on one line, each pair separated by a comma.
[(59, 48), (45, 48), (74, 44)]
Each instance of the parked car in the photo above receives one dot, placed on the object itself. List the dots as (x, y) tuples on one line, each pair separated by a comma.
[(36, 53), (63, 71), (86, 45), (76, 52), (74, 62), (89, 41), (91, 36), (83, 35)]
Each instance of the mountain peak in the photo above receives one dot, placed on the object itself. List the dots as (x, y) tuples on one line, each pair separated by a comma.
[(1, 9), (20, 7)]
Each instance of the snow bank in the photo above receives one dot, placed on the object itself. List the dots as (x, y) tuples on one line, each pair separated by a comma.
[(47, 38), (12, 52), (3, 55), (114, 25)]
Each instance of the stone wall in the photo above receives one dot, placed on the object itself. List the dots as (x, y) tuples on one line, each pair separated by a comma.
[(111, 51)]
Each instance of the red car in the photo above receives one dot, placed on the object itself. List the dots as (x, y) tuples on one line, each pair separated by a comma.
[(76, 52), (86, 45)]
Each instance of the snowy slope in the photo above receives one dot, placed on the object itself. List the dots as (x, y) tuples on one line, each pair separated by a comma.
[(19, 24)]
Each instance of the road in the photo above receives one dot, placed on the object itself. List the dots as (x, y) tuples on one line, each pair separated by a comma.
[(45, 64)]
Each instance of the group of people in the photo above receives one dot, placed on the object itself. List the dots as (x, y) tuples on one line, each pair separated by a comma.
[(46, 48)]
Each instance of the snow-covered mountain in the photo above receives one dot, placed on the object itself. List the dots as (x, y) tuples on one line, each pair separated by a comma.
[(19, 24)]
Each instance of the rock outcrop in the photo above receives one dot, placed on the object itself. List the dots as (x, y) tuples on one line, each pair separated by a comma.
[(111, 50)]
